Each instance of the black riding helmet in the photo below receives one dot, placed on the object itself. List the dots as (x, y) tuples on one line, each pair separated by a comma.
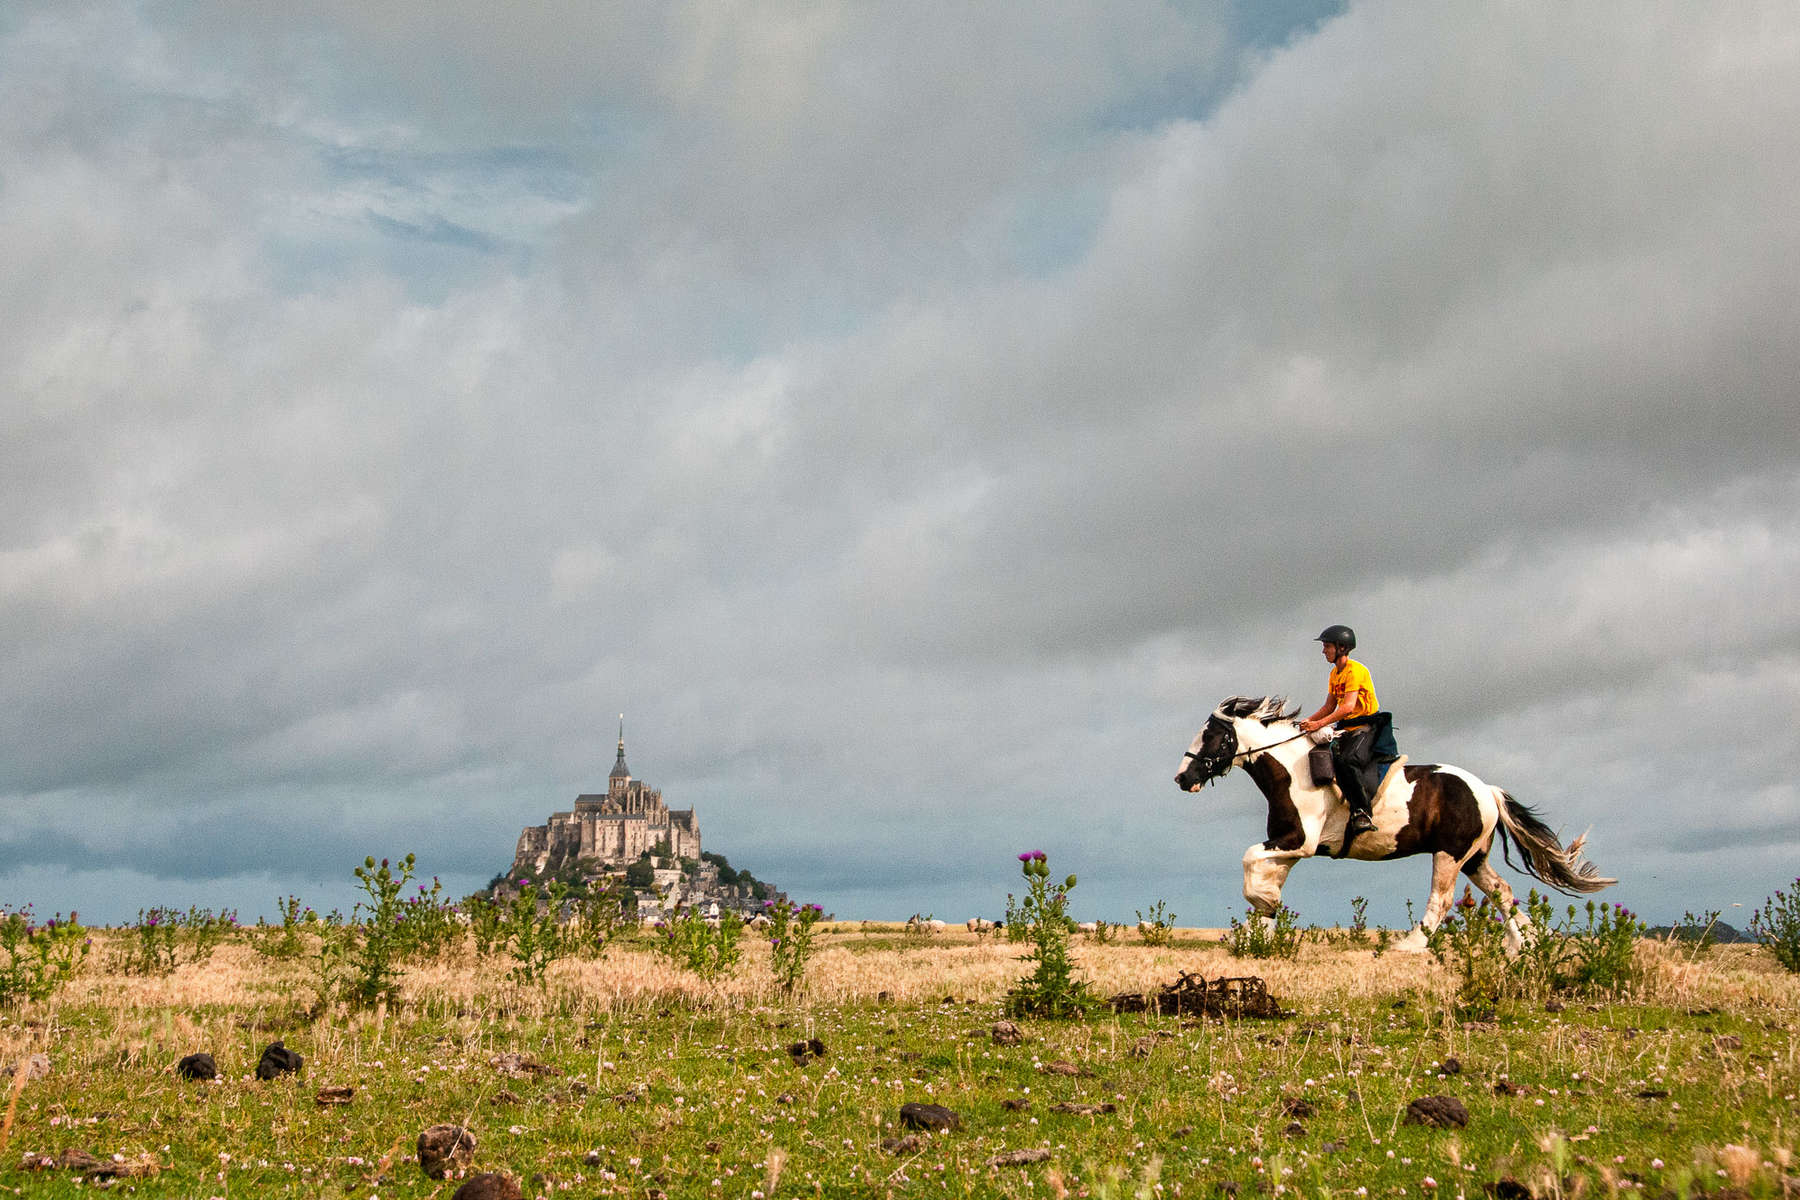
[(1338, 635)]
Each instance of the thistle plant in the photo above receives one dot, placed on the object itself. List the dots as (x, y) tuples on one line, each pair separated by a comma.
[(534, 931), (1051, 990), (1158, 928), (1256, 936), (153, 947), (1697, 931), (599, 916), (429, 924), (1014, 925), (380, 939), (1777, 926), (487, 925), (283, 940), (1591, 950), (36, 960), (1605, 947), (707, 950), (790, 941), (1471, 941), (328, 962)]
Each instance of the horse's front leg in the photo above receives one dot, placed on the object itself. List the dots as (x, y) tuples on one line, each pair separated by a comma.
[(1265, 870), (1443, 889)]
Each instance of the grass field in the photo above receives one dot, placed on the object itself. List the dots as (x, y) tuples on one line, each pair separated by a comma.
[(653, 1083)]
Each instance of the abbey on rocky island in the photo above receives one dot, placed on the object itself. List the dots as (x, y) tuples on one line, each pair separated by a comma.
[(610, 830)]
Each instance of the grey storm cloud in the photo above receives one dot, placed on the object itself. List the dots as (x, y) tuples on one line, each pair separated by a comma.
[(915, 424)]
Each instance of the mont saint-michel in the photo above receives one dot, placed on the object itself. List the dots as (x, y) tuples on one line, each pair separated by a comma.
[(629, 830)]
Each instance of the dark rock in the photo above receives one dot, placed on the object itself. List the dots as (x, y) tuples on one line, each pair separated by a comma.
[(1018, 1158), (444, 1149), (1005, 1033), (1295, 1130), (1298, 1108), (1450, 1066), (933, 1117), (489, 1186), (197, 1066), (593, 1158), (1437, 1112), (517, 1065), (36, 1066), (83, 1163), (277, 1059), (1194, 995), (805, 1052), (1508, 1188)]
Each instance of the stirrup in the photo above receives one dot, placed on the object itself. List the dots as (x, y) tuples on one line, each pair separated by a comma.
[(1353, 829)]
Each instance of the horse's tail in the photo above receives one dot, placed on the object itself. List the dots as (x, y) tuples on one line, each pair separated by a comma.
[(1545, 856)]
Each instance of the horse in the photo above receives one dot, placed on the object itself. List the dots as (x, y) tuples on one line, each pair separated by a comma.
[(1438, 810)]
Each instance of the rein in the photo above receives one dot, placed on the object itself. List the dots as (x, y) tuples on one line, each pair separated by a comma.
[(1247, 755)]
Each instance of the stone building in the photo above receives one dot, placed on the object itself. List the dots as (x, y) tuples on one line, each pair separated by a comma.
[(612, 829)]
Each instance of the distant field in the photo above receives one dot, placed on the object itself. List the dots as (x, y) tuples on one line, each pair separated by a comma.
[(654, 1083)]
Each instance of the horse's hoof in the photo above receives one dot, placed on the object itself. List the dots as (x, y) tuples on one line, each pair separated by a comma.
[(1413, 943)]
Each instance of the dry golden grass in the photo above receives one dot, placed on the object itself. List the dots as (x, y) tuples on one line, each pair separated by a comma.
[(852, 964), (118, 1036)]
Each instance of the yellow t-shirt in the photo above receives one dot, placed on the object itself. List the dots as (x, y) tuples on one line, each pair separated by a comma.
[(1350, 678)]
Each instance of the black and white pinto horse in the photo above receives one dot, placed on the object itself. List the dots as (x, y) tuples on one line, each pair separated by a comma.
[(1437, 810)]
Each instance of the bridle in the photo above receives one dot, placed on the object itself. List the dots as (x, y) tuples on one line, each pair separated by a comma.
[(1246, 755)]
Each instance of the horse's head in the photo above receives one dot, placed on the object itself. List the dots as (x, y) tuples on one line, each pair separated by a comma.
[(1238, 727)]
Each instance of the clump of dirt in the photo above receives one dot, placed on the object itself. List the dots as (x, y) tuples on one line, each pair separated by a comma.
[(1192, 995)]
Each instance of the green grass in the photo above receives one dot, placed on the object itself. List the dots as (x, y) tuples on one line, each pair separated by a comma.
[(691, 1092)]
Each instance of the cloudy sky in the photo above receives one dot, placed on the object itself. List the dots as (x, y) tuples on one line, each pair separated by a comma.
[(914, 419)]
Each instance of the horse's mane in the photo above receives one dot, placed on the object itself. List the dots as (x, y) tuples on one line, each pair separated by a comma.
[(1259, 708)]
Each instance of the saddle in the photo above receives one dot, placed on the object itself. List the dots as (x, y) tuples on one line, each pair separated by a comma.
[(1389, 773)]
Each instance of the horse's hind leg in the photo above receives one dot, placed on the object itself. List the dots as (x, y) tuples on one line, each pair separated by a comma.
[(1482, 874), (1443, 887)]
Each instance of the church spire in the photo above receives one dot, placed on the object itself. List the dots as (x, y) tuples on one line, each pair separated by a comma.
[(620, 772)]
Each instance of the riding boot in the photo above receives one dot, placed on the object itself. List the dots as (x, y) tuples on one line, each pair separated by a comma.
[(1350, 783)]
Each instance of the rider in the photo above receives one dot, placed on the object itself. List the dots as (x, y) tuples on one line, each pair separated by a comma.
[(1365, 732)]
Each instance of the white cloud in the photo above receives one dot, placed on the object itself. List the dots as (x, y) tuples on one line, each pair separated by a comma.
[(909, 423)]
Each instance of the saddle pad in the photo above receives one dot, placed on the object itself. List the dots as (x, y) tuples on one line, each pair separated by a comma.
[(1387, 778)]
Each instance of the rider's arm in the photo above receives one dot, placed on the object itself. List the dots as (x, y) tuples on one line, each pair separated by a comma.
[(1329, 712)]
